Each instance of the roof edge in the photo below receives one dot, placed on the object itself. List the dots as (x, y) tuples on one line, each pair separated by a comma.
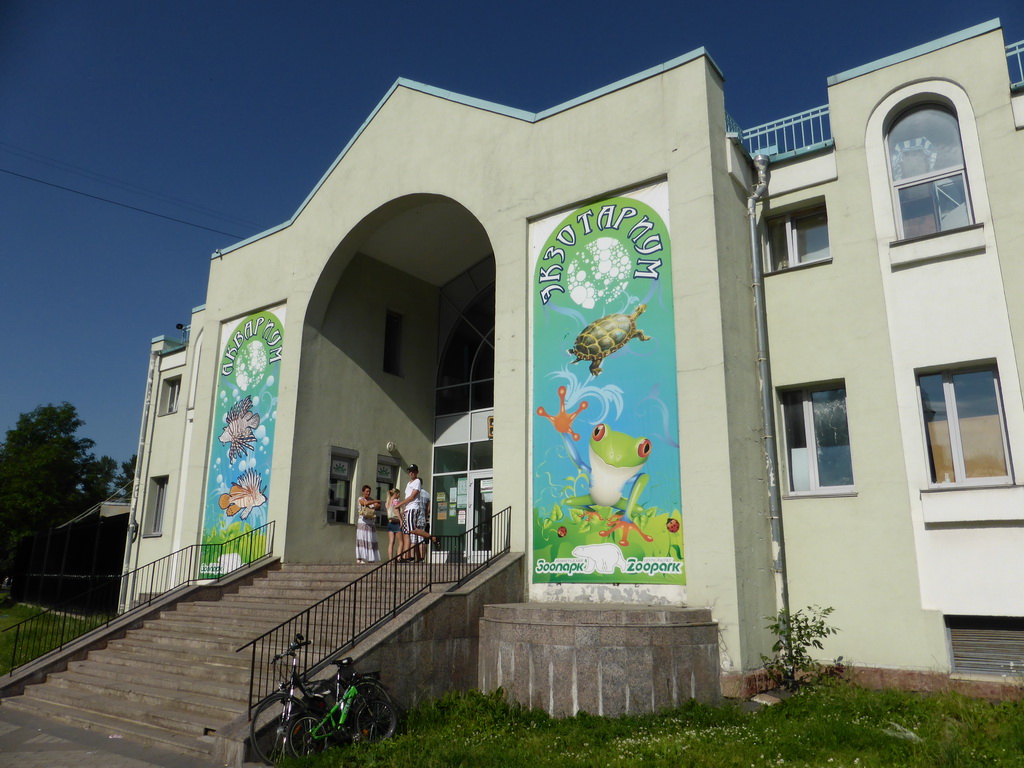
[(913, 53), (469, 101), (625, 82)]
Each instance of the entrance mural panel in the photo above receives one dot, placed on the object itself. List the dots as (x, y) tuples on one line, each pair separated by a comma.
[(605, 437), (238, 486)]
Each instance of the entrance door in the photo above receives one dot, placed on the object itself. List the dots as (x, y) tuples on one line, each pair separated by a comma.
[(481, 495)]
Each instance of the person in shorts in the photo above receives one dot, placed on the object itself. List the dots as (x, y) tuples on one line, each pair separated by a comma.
[(410, 512), (414, 519)]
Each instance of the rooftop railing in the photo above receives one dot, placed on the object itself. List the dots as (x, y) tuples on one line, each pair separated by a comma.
[(813, 128), (800, 131), (1015, 63)]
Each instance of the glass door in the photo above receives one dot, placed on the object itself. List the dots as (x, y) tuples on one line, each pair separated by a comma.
[(481, 495)]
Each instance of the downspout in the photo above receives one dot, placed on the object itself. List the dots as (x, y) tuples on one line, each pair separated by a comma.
[(133, 525), (767, 401)]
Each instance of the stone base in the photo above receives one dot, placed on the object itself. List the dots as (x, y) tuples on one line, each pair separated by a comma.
[(603, 659)]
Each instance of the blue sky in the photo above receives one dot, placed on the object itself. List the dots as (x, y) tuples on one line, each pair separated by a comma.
[(225, 114)]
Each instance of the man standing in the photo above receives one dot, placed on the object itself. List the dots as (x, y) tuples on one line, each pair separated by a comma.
[(414, 518)]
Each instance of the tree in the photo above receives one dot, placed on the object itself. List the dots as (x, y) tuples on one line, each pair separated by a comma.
[(48, 475), (124, 478)]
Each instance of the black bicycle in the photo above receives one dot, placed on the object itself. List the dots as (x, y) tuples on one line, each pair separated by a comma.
[(273, 720), (363, 710)]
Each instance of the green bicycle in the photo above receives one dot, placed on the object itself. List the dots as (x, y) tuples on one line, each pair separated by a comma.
[(363, 711)]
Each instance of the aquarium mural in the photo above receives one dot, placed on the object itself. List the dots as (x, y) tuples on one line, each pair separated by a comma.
[(242, 442), (605, 485)]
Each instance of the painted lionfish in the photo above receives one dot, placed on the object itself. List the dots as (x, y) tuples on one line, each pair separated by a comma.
[(238, 434), (246, 494)]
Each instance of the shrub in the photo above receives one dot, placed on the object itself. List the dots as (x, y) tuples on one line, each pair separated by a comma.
[(795, 634)]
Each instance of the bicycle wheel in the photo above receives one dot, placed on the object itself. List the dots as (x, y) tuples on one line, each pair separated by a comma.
[(374, 720), (371, 688), (304, 737), (268, 732)]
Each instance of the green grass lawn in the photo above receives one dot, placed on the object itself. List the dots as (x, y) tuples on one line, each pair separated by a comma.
[(40, 636), (9, 616), (831, 726)]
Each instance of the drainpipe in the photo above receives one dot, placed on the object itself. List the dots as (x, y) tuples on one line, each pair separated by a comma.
[(767, 402), (133, 525)]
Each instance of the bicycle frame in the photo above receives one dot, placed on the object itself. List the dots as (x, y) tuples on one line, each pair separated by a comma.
[(336, 716)]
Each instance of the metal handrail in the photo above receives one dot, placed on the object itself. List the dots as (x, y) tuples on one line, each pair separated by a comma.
[(55, 627), (341, 619), (1015, 63)]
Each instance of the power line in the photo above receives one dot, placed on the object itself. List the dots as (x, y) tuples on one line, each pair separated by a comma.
[(125, 185), (122, 205)]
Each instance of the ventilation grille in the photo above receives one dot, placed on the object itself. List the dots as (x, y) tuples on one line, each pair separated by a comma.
[(987, 645)]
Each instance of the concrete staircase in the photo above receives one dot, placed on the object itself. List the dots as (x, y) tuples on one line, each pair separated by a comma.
[(176, 680)]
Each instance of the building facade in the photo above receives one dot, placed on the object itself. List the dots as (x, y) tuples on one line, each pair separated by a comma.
[(553, 313)]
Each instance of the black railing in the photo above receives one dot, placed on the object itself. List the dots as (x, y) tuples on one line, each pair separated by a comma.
[(55, 627), (341, 619)]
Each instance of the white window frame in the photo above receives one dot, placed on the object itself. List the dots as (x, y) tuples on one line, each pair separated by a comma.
[(811, 441), (158, 487), (953, 422), (171, 394), (791, 222), (932, 178), (949, 243), (342, 470)]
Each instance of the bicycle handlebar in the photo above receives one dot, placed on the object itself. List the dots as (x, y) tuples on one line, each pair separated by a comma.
[(293, 646)]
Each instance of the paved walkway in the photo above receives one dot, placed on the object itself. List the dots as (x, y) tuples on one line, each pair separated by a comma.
[(31, 742)]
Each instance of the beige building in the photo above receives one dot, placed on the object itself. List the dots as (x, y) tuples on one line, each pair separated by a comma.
[(462, 267)]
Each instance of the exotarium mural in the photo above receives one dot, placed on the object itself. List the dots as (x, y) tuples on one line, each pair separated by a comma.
[(606, 493)]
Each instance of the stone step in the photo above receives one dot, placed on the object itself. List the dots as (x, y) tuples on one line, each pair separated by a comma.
[(73, 714), (288, 590), (173, 716), (230, 687), (141, 644), (178, 678), (226, 669), (185, 638), (173, 706), (233, 625), (268, 614)]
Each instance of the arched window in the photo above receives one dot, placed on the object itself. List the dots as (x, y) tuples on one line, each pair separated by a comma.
[(926, 165)]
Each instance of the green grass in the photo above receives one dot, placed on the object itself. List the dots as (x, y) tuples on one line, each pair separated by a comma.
[(39, 636), (832, 726)]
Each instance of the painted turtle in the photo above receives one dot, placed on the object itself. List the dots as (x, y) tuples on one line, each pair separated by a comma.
[(606, 335)]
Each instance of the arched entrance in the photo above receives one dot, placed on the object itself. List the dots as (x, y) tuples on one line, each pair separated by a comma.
[(397, 350)]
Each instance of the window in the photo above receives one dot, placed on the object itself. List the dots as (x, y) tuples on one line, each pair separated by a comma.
[(393, 343), (926, 165), (339, 487), (817, 440), (169, 395), (157, 502), (387, 475), (798, 238), (963, 426)]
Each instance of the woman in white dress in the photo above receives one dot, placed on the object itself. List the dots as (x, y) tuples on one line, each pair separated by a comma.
[(366, 528)]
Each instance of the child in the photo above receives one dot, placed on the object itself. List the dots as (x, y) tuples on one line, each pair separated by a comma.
[(394, 510)]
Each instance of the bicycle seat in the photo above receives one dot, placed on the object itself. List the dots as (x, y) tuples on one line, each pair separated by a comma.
[(339, 663)]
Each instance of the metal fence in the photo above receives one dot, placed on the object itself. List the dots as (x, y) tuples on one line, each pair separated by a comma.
[(1015, 63), (55, 627), (814, 127), (789, 134), (341, 619)]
